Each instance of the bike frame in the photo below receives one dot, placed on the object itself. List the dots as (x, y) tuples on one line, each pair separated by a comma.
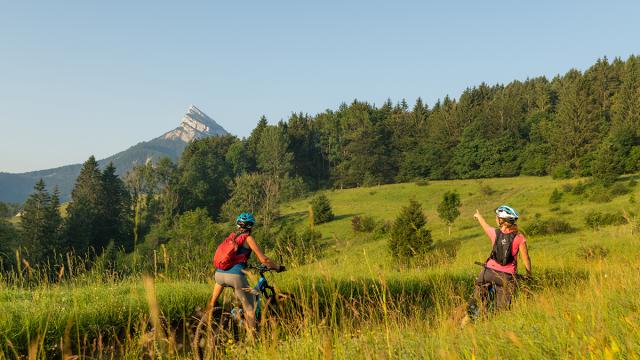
[(263, 288)]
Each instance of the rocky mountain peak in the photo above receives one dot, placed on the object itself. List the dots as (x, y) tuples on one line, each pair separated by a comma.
[(195, 124)]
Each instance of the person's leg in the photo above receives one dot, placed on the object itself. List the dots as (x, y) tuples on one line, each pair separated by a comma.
[(248, 300), (504, 290), (217, 290), (504, 296), (479, 295), (241, 288)]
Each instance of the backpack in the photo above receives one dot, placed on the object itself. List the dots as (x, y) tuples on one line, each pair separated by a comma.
[(502, 248), (227, 252)]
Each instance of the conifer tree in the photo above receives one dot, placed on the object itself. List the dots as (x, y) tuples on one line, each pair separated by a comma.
[(84, 210), (115, 212), (253, 142), (409, 237), (41, 224), (606, 166), (9, 239), (321, 209), (576, 133)]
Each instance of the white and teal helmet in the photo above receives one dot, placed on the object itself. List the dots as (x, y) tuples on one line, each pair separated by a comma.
[(507, 213)]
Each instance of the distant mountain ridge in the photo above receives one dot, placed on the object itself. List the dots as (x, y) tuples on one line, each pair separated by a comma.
[(195, 124)]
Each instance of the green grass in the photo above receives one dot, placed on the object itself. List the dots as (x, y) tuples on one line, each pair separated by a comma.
[(355, 302)]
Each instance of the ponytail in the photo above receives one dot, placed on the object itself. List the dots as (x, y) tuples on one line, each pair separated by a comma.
[(509, 225)]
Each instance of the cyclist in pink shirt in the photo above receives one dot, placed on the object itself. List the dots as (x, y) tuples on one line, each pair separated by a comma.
[(502, 265)]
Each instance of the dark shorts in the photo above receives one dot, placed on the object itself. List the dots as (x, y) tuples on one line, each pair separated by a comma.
[(504, 284)]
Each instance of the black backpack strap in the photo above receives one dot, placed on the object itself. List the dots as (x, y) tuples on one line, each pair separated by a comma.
[(493, 249)]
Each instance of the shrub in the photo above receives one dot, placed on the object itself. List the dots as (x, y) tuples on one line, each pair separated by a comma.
[(567, 188), (555, 197), (561, 171), (184, 248), (296, 248), (634, 221), (321, 208), (191, 235), (363, 223), (444, 252), (597, 219), (383, 227), (408, 236), (598, 193), (487, 190), (579, 188), (422, 182), (549, 226), (370, 180), (618, 189), (592, 252), (293, 188)]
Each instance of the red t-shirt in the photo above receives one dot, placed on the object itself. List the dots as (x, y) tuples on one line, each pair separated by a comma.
[(515, 247)]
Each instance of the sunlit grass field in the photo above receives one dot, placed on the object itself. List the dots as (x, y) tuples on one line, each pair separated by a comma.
[(356, 302)]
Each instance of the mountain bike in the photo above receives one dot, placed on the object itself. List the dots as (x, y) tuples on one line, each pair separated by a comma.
[(221, 326), (485, 301)]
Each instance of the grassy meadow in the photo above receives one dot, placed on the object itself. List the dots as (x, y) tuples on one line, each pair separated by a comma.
[(356, 302)]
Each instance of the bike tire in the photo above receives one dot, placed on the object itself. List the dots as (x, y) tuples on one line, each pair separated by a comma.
[(210, 334)]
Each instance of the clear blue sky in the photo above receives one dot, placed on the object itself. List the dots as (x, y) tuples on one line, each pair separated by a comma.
[(95, 77)]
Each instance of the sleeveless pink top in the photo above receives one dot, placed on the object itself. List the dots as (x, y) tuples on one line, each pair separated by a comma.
[(515, 247)]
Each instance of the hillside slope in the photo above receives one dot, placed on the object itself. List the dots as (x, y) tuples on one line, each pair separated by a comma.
[(355, 302), (195, 124)]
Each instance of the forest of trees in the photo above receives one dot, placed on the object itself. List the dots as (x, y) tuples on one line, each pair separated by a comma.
[(579, 124)]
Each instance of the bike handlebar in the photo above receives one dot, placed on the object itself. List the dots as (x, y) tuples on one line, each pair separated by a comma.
[(264, 268)]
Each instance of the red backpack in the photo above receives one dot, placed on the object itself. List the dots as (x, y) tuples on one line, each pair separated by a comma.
[(227, 252)]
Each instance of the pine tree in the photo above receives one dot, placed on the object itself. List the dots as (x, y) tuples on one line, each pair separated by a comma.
[(409, 237), (41, 224), (304, 144), (9, 239), (321, 209), (84, 210), (115, 212), (606, 166), (253, 142), (576, 132), (626, 102)]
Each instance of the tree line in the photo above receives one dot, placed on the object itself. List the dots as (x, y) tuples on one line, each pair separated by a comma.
[(576, 124)]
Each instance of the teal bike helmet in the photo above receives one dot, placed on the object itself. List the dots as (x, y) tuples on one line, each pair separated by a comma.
[(245, 221), (507, 213)]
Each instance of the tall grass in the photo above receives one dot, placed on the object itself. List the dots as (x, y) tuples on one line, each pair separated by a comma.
[(355, 302)]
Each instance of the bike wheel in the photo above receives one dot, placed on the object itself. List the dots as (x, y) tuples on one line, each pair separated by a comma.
[(212, 330)]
